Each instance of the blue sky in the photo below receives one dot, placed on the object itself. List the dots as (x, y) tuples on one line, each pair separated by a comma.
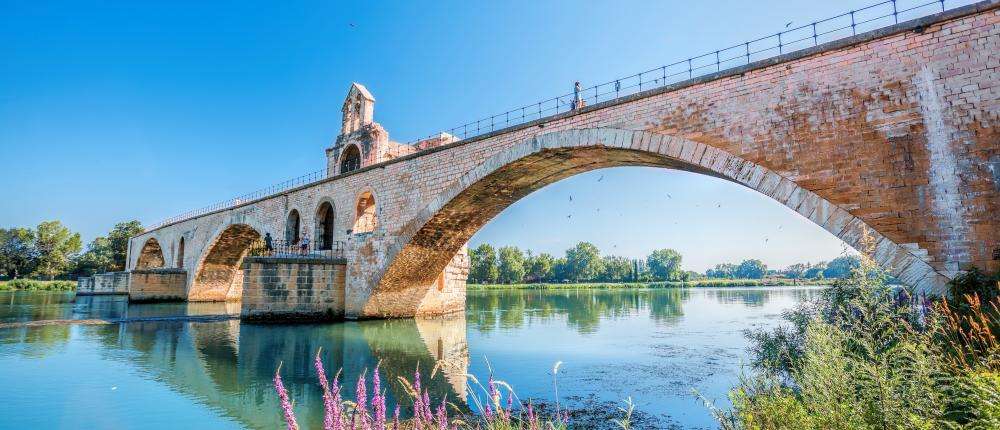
[(119, 110)]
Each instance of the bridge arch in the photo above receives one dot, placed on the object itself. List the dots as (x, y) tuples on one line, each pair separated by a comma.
[(427, 243), (293, 227), (151, 256), (365, 212), (218, 275), (325, 226)]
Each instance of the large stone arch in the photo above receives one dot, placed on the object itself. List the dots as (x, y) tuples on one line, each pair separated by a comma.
[(218, 275), (151, 255), (403, 286)]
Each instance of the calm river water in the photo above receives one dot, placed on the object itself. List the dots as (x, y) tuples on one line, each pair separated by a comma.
[(655, 346)]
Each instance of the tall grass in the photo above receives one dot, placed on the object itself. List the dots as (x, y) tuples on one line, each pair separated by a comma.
[(869, 356)]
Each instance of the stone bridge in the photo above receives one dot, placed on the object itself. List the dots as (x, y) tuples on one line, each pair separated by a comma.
[(892, 131)]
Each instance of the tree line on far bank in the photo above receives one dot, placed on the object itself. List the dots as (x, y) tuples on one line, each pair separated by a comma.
[(584, 263), (52, 251)]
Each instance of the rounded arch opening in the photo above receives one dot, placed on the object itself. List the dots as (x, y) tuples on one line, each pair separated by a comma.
[(351, 159), (440, 230), (324, 226), (180, 253), (151, 256), (219, 276), (365, 213), (293, 224)]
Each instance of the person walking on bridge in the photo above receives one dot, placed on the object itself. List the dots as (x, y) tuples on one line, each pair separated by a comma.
[(268, 243), (305, 243)]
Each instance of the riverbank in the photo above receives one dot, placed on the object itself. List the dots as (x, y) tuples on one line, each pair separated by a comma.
[(704, 283), (36, 285)]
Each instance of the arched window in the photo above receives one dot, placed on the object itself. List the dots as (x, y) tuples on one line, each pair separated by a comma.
[(351, 160), (292, 227), (180, 253), (324, 226), (365, 213)]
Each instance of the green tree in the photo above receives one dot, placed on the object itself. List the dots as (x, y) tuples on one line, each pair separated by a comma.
[(583, 262), (483, 264), (118, 239), (108, 254), (18, 255), (664, 264), (97, 259), (841, 267), (815, 271), (511, 267), (796, 270), (56, 247), (540, 268), (616, 269), (723, 270), (560, 270), (751, 269)]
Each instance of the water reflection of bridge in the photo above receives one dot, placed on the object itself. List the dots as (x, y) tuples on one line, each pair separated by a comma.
[(228, 366)]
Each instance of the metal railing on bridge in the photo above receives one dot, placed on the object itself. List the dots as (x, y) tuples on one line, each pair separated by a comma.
[(851, 23), (293, 250)]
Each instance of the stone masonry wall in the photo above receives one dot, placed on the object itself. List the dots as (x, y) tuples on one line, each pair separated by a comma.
[(158, 285), (84, 285), (103, 283), (292, 289), (895, 128)]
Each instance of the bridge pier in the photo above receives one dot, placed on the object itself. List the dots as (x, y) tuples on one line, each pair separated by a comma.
[(162, 284), (103, 283), (292, 289)]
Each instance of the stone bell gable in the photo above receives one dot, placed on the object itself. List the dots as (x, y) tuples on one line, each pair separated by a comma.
[(362, 140)]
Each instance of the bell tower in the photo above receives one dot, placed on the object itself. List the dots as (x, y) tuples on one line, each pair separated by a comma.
[(361, 139), (358, 109)]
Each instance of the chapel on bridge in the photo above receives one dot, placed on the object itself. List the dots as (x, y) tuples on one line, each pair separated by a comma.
[(363, 142)]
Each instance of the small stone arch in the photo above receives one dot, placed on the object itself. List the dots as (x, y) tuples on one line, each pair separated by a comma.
[(219, 276), (428, 242), (365, 213), (180, 253), (325, 225), (293, 227), (350, 159), (151, 256)]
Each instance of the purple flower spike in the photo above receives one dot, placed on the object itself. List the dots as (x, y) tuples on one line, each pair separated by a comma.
[(337, 415), (286, 405), (442, 417), (328, 405), (378, 401)]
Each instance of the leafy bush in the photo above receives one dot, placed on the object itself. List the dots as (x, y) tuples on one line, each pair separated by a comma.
[(868, 356), (33, 285)]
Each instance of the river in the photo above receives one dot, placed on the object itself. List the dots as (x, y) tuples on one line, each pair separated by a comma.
[(658, 347)]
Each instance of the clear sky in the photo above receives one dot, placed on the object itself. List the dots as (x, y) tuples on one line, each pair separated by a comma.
[(118, 110)]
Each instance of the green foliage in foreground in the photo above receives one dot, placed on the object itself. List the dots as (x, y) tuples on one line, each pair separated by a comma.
[(703, 283), (33, 285), (867, 356)]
